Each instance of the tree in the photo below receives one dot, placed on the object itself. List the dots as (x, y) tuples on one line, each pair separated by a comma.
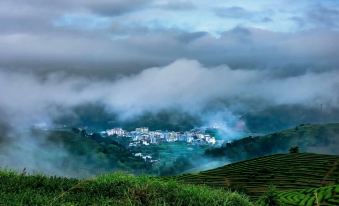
[(294, 150)]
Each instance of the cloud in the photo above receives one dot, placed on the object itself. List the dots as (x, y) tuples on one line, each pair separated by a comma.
[(215, 95), (181, 5), (233, 12), (97, 54), (324, 17), (236, 12), (190, 37), (115, 7), (37, 16), (84, 41), (321, 15), (183, 84), (105, 38)]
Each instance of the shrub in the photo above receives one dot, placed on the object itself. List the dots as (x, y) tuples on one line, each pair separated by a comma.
[(270, 198)]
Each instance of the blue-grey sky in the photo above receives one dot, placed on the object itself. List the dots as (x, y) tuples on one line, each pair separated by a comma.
[(168, 53), (122, 36)]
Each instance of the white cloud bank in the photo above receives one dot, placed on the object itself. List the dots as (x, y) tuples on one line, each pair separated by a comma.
[(183, 84)]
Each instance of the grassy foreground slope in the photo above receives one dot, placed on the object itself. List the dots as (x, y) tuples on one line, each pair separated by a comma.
[(109, 189), (285, 171)]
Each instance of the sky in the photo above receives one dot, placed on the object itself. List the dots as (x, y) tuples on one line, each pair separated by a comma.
[(127, 36), (136, 56)]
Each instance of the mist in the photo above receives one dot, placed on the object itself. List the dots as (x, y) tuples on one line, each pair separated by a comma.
[(216, 96), (184, 85)]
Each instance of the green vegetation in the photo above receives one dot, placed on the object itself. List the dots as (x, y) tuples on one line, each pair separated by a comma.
[(109, 189), (307, 138), (296, 178), (294, 150), (270, 197), (284, 171), (280, 117), (328, 195), (175, 157), (92, 154)]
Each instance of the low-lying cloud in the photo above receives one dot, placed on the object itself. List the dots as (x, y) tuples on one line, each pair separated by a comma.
[(183, 84), (217, 95)]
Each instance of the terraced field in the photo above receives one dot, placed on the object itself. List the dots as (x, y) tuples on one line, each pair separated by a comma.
[(285, 171), (328, 195)]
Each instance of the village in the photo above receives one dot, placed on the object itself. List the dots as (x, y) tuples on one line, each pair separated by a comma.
[(143, 136)]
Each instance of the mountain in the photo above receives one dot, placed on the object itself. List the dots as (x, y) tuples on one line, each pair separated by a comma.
[(317, 138), (90, 154), (83, 154), (280, 117)]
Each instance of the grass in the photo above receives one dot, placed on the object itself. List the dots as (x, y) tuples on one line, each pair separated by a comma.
[(109, 189), (303, 179), (284, 171)]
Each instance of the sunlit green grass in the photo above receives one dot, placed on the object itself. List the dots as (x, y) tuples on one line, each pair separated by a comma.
[(109, 189)]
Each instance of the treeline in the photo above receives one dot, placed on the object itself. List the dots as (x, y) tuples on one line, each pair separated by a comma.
[(309, 138)]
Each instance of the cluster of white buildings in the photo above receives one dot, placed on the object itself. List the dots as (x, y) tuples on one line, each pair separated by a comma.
[(115, 131), (143, 136), (146, 158)]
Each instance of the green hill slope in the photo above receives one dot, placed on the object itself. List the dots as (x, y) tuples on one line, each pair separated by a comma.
[(89, 154), (323, 138), (285, 171), (110, 189)]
